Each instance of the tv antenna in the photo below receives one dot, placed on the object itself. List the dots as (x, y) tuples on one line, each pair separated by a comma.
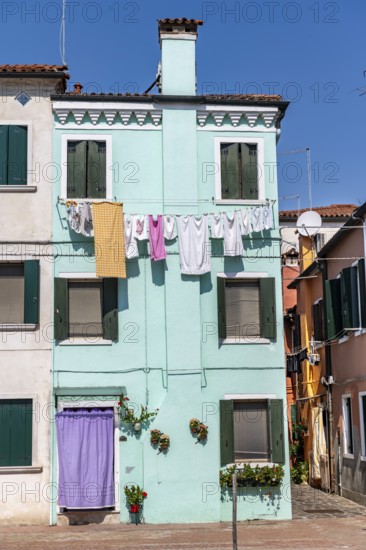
[(308, 161), (63, 34)]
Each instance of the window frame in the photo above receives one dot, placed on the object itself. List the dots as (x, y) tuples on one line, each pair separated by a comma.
[(65, 138), (248, 339), (23, 326), (80, 341), (36, 410), (268, 420), (346, 422), (269, 398), (260, 163), (28, 186), (88, 402), (362, 394)]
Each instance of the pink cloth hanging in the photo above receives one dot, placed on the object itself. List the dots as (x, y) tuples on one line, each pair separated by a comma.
[(156, 237)]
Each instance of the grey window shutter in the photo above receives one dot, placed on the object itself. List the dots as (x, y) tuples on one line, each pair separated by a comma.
[(227, 432), (31, 291), (349, 293), (276, 412), (76, 169), (17, 155), (97, 166), (249, 171), (362, 283), (221, 307), (297, 332), (110, 309), (333, 307), (4, 142), (61, 313), (268, 307), (230, 171)]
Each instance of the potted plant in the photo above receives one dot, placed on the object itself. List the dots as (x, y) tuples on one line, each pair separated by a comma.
[(202, 432), (155, 436), (193, 425), (127, 414), (164, 442), (135, 496)]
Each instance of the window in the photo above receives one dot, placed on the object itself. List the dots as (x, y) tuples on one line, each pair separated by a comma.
[(86, 169), (15, 432), (19, 293), (318, 321), (240, 174), (362, 404), (86, 161), (347, 424), (251, 430), (13, 154), (86, 309), (246, 309)]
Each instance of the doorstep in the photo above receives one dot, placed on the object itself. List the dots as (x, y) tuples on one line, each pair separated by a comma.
[(87, 517)]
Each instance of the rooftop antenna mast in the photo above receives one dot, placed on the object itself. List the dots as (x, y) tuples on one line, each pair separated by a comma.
[(308, 161), (63, 34)]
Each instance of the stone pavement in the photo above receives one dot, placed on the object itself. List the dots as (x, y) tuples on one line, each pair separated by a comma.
[(322, 522)]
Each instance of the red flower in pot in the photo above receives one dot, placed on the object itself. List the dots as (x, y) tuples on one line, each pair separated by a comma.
[(134, 508)]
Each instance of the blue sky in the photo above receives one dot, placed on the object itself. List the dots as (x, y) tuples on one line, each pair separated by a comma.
[(312, 53)]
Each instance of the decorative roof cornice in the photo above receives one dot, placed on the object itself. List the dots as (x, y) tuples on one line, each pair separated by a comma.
[(123, 116), (251, 117)]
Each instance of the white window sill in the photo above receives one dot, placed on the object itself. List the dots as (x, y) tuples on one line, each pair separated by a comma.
[(363, 458), (86, 199), (17, 327), (346, 455), (248, 340), (360, 332), (84, 342), (18, 188), (343, 339), (21, 470), (256, 202)]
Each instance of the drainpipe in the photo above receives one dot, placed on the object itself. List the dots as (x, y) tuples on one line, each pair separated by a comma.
[(328, 384)]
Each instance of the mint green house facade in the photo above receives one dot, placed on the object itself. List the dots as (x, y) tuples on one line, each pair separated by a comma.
[(172, 347)]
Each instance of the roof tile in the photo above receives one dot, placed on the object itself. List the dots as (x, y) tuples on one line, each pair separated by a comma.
[(33, 69), (332, 211)]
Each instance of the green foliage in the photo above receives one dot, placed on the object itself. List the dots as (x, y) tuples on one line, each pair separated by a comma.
[(248, 476), (300, 472), (134, 494), (127, 414)]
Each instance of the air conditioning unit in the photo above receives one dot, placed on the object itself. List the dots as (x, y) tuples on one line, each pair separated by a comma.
[(324, 473)]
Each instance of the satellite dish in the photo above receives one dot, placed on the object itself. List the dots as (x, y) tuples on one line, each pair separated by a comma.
[(309, 223)]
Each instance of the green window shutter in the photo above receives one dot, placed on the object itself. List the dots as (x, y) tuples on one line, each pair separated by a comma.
[(31, 291), (16, 432), (333, 307), (4, 141), (227, 432), (318, 321), (61, 313), (110, 309), (293, 413), (17, 155), (362, 283), (267, 307), (230, 171), (349, 293), (76, 169), (249, 171), (276, 411), (97, 166), (221, 307)]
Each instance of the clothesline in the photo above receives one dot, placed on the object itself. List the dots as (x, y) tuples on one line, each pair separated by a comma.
[(192, 231)]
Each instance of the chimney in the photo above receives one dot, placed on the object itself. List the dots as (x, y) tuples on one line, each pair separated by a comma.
[(177, 39), (77, 89)]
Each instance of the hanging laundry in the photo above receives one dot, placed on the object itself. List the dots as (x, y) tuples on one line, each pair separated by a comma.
[(217, 226), (257, 219), (74, 216), (156, 236), (170, 231), (141, 227), (194, 247), (86, 221), (267, 217), (245, 217), (233, 243), (131, 247), (109, 240)]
